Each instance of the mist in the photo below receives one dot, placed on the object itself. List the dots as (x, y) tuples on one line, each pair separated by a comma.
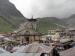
[(45, 8)]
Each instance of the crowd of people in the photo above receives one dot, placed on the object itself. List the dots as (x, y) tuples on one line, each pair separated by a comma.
[(8, 47)]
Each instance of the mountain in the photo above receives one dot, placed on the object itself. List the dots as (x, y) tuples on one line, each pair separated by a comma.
[(70, 21), (4, 25), (45, 24), (48, 23), (9, 15), (11, 18)]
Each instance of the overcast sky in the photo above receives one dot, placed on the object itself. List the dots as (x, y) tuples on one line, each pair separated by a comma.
[(45, 8)]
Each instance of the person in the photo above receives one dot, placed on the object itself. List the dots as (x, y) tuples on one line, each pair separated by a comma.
[(9, 47), (55, 51), (43, 54)]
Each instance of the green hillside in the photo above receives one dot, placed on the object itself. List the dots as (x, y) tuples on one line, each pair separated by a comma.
[(47, 23), (5, 26), (8, 26), (44, 24)]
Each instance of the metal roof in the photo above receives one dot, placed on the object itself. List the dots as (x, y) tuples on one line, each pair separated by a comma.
[(20, 54), (69, 52), (35, 48)]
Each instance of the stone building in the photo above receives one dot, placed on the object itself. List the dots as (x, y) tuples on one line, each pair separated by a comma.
[(27, 32)]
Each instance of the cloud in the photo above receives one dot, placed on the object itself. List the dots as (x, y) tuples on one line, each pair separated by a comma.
[(45, 8)]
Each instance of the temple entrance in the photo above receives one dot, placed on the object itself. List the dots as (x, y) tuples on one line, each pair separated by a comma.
[(27, 39)]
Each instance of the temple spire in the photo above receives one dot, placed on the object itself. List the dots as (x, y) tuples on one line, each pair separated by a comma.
[(32, 17)]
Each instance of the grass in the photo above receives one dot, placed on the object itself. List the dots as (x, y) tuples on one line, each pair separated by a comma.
[(5, 26), (44, 24)]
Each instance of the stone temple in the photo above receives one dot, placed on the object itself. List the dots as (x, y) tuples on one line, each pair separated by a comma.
[(28, 32)]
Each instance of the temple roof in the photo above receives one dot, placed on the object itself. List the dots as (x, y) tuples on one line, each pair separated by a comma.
[(32, 20)]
